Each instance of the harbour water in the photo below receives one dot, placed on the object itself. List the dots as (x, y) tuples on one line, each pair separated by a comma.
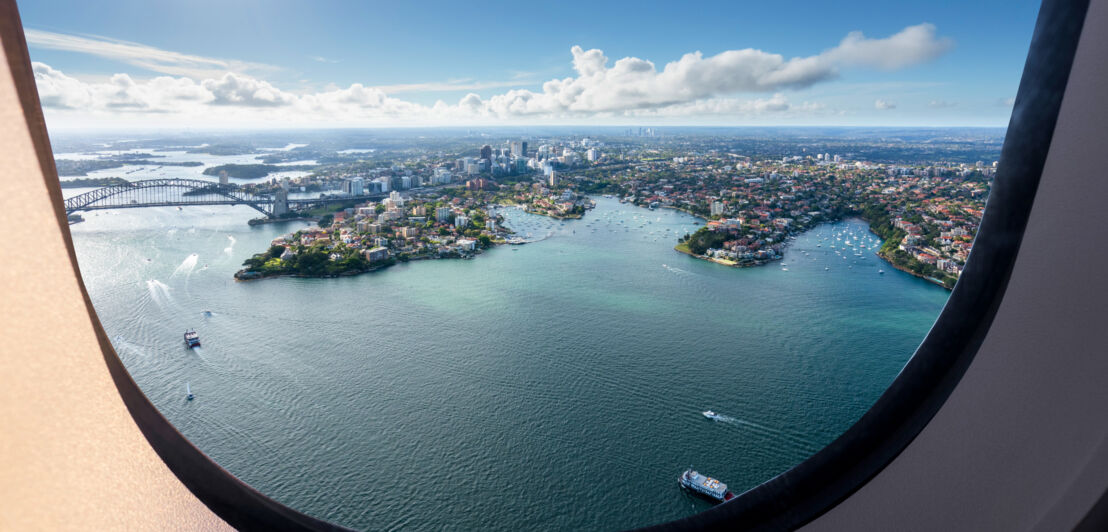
[(554, 385)]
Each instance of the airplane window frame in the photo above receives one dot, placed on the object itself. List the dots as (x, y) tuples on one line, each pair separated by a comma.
[(811, 488)]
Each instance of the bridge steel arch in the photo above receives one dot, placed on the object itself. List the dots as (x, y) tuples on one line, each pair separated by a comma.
[(156, 192)]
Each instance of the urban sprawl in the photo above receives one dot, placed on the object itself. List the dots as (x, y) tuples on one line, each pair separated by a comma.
[(436, 204)]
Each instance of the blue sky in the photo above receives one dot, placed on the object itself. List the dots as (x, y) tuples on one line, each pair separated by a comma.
[(248, 63)]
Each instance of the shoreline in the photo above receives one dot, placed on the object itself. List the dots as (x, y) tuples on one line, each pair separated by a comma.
[(263, 221), (932, 280), (245, 276), (694, 215), (869, 227), (721, 262)]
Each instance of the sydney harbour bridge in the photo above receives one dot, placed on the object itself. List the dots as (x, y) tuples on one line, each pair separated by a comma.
[(186, 192)]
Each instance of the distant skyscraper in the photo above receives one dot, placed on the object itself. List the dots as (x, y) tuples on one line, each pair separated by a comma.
[(353, 186), (486, 152), (519, 148)]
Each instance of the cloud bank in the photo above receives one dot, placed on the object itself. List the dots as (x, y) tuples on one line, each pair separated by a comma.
[(694, 85)]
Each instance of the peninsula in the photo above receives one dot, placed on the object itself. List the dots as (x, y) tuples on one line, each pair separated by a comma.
[(926, 210)]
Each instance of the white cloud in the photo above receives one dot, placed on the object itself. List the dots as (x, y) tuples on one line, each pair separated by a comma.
[(450, 86), (941, 104), (57, 90), (694, 85), (234, 89), (911, 46), (140, 55), (632, 84), (777, 104), (883, 105), (120, 92)]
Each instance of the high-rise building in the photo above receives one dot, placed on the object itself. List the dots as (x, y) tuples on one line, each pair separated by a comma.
[(519, 148), (353, 186), (486, 152), (717, 208), (442, 214), (553, 178)]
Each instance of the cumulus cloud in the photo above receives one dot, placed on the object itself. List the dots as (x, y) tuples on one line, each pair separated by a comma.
[(631, 83), (58, 90), (694, 85), (233, 89), (911, 46), (883, 105), (121, 92)]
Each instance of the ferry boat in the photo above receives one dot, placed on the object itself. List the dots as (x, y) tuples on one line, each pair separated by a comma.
[(705, 486), (192, 339)]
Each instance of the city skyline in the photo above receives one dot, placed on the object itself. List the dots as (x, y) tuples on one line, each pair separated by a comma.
[(348, 66)]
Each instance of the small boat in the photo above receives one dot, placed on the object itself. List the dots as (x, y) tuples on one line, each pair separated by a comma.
[(207, 313), (188, 392), (710, 415), (192, 340), (881, 272)]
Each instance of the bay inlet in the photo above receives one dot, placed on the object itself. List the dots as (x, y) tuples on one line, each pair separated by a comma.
[(494, 393)]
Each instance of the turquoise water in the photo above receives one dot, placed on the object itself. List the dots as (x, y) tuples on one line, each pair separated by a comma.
[(556, 385)]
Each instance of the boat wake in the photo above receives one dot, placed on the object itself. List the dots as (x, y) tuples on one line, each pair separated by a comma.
[(676, 270), (230, 247), (159, 291), (736, 421), (199, 351), (187, 265), (792, 439), (123, 346)]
